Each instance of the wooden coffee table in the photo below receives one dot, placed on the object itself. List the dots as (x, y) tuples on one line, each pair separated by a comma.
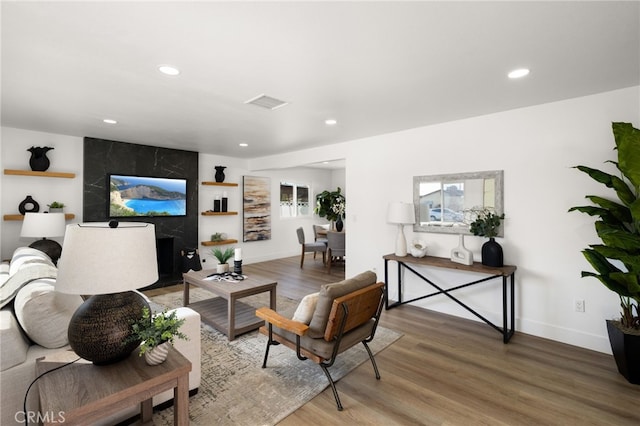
[(226, 313), (82, 393)]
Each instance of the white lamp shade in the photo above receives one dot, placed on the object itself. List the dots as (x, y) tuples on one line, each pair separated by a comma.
[(401, 213), (98, 259), (43, 225)]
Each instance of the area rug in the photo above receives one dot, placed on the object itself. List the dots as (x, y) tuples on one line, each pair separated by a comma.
[(235, 390)]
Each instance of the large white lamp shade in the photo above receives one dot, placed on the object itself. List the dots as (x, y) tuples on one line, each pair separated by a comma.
[(401, 214)]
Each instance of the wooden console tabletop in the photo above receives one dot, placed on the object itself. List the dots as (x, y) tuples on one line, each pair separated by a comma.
[(506, 272), (82, 393)]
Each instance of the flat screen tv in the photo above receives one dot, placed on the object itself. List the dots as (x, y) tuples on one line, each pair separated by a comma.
[(145, 196)]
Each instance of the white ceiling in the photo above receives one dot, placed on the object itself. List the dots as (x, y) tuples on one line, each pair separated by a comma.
[(376, 67)]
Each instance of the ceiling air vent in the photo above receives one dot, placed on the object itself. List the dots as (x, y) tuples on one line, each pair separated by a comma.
[(267, 102)]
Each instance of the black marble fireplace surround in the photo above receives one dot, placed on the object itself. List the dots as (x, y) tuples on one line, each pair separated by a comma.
[(102, 157)]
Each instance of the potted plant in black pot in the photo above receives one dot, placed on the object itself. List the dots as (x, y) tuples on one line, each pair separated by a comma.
[(156, 332), (487, 224), (617, 260)]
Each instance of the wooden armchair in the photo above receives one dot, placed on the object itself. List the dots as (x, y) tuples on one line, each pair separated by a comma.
[(345, 314)]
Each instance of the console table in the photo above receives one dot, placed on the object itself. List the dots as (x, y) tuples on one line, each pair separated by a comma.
[(507, 273)]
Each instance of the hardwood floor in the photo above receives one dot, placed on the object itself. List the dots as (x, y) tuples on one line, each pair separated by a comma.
[(451, 371)]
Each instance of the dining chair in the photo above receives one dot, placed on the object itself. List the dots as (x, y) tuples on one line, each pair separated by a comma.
[(336, 248), (314, 247), (320, 234)]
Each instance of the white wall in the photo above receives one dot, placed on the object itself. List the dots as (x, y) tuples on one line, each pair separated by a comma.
[(536, 147), (65, 157)]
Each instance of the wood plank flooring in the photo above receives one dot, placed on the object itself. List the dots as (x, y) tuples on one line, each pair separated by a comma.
[(451, 371)]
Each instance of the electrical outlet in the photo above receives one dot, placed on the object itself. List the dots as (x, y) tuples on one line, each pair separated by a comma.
[(579, 305)]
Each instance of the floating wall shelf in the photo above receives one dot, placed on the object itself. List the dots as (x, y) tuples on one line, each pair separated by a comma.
[(218, 243), (67, 216), (219, 184), (219, 213), (41, 174)]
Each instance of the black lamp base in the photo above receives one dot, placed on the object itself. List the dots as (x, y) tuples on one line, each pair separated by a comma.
[(102, 323), (50, 247)]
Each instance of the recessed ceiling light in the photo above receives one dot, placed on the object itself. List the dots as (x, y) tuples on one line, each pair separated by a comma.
[(243, 144), (331, 122), (519, 73), (168, 70), (109, 121)]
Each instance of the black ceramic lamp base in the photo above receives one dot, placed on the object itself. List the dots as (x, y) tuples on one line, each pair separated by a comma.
[(102, 323), (50, 247)]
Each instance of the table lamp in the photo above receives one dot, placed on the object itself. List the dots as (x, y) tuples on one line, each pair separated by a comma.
[(401, 214), (107, 262), (44, 225)]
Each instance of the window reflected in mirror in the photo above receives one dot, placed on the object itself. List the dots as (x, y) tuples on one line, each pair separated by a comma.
[(446, 203)]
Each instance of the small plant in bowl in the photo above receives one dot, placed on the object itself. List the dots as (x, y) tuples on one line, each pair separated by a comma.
[(55, 207), (155, 331), (223, 257)]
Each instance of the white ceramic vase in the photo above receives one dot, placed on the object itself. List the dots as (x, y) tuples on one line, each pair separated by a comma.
[(461, 254), (158, 354)]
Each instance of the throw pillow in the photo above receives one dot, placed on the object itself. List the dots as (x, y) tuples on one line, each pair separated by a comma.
[(44, 314), (305, 309), (31, 268)]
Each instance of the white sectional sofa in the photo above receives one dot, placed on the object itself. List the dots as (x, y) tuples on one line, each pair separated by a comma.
[(33, 323)]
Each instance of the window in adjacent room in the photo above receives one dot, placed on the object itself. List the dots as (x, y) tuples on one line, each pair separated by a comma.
[(294, 200)]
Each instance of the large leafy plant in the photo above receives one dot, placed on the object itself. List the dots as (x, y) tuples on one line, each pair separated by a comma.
[(617, 260), (330, 204)]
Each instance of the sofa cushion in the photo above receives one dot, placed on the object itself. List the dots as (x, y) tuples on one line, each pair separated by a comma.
[(26, 265), (13, 343), (44, 314), (306, 308), (328, 292)]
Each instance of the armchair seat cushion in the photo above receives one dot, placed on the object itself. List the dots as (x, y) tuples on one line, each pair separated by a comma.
[(321, 347), (328, 293)]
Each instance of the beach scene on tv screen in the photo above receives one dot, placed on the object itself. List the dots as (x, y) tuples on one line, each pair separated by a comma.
[(147, 196)]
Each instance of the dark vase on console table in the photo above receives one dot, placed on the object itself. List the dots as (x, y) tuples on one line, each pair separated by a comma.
[(492, 253), (339, 224)]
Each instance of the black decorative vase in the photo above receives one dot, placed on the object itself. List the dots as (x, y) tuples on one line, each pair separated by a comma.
[(492, 253), (39, 161), (219, 173), (339, 224), (28, 205), (626, 352)]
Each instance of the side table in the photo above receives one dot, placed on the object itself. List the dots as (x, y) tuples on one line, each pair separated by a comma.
[(81, 393)]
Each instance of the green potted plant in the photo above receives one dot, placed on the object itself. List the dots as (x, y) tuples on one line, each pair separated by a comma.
[(332, 205), (156, 332), (223, 257), (56, 207), (486, 224), (617, 260)]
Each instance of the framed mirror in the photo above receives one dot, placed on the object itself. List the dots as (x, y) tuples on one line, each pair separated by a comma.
[(446, 203)]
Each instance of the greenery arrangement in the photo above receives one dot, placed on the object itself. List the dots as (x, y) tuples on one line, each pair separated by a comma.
[(217, 236), (222, 256), (56, 205), (155, 330), (486, 223), (330, 204), (618, 225)]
